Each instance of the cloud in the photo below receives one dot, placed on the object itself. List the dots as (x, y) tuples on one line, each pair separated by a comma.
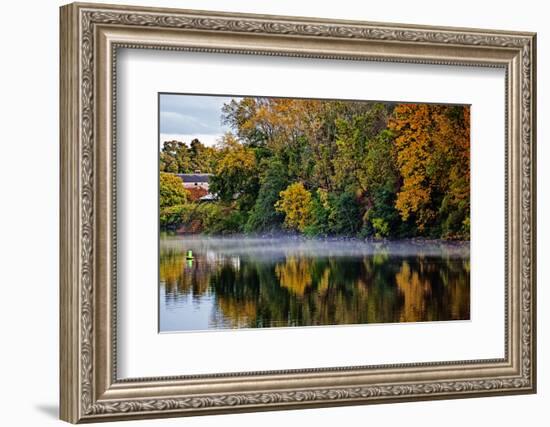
[(174, 122), (192, 114)]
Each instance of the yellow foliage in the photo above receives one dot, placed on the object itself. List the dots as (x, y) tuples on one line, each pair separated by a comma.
[(324, 282), (295, 274), (295, 202), (171, 190), (414, 291), (241, 314), (177, 276), (236, 157)]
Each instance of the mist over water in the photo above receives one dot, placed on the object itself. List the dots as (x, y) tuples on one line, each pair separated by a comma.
[(300, 246), (252, 282)]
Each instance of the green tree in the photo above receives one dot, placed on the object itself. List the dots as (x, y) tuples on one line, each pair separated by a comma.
[(381, 182), (222, 219), (175, 158), (365, 165), (173, 217), (263, 216), (168, 163), (202, 158), (319, 224), (345, 214), (355, 134)]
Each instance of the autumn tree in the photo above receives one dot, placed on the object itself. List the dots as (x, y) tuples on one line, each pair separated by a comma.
[(235, 175), (295, 203), (433, 157), (172, 192), (291, 129), (245, 116)]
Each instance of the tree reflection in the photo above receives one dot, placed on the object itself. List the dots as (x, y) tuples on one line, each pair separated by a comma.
[(305, 291), (295, 274)]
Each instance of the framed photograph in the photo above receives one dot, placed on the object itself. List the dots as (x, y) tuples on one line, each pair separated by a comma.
[(267, 212)]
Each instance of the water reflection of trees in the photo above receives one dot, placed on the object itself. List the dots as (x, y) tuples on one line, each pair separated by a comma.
[(182, 278), (304, 291)]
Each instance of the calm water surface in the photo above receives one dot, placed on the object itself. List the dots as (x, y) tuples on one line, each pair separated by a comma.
[(275, 282)]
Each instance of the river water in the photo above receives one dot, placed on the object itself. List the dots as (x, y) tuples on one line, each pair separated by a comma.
[(244, 282)]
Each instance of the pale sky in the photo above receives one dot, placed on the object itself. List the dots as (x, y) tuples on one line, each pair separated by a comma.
[(186, 117)]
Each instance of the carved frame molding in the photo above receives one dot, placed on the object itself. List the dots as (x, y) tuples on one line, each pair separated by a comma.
[(90, 37)]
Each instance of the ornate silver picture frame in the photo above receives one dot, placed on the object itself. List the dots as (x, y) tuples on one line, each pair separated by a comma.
[(91, 390)]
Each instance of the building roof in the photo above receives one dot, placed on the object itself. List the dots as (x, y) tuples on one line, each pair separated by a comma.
[(194, 177)]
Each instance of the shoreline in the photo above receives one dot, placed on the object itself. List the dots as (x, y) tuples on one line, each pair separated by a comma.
[(303, 238), (266, 247)]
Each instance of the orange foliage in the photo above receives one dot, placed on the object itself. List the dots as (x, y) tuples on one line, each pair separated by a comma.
[(195, 193), (432, 151)]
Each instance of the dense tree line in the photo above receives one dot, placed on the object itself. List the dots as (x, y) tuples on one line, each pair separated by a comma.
[(331, 168), (178, 157)]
